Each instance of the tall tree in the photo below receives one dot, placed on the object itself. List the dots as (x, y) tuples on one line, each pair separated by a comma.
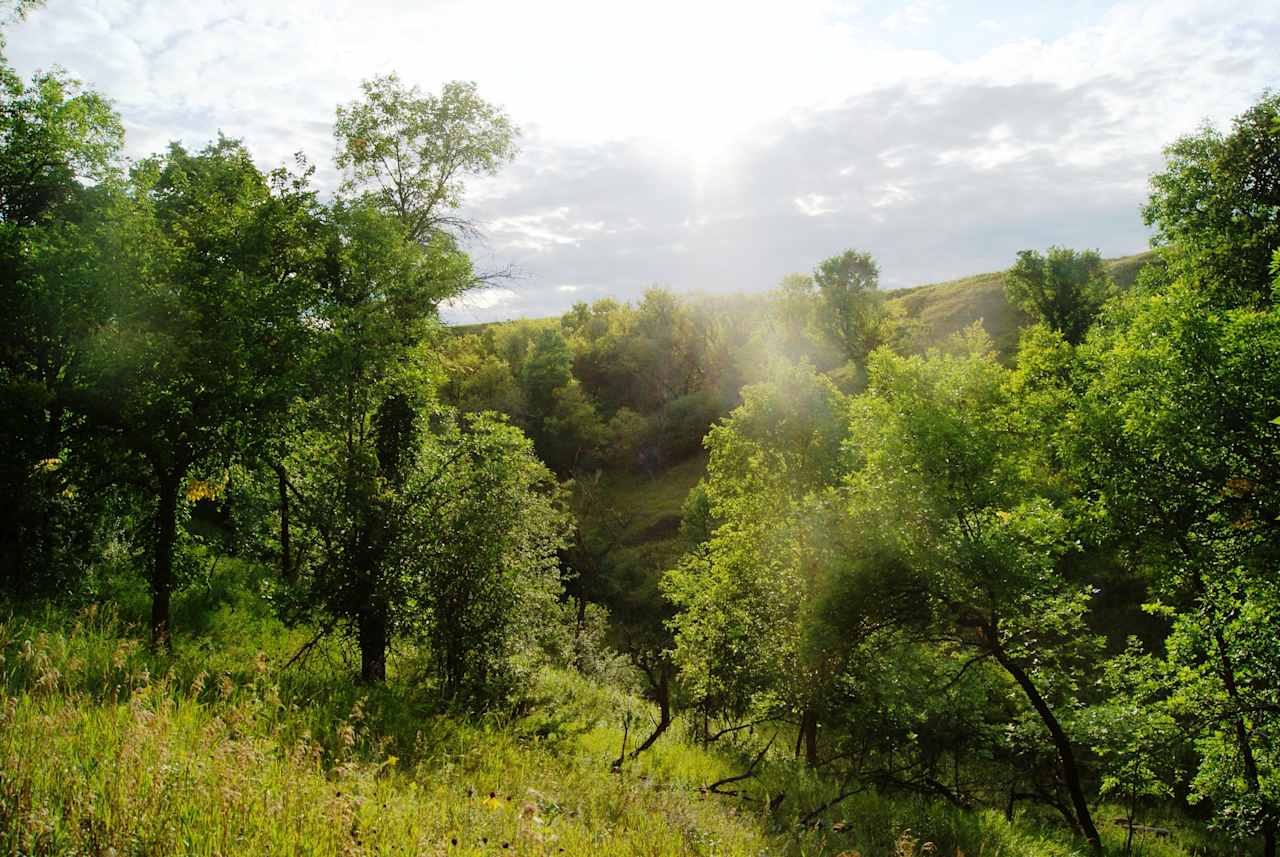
[(1064, 289), (1175, 436), (210, 268), (943, 478), (59, 145), (753, 586), (1215, 206), (852, 309), (360, 422), (413, 150)]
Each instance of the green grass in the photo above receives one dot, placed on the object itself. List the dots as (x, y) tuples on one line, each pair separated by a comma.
[(220, 748), (651, 506), (943, 309)]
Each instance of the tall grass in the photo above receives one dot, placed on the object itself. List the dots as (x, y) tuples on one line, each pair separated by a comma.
[(219, 749)]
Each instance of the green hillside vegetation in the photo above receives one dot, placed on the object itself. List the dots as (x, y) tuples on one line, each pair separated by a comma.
[(222, 747), (289, 567), (945, 309)]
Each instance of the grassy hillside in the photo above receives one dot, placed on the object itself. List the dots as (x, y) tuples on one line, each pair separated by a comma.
[(945, 308), (224, 748)]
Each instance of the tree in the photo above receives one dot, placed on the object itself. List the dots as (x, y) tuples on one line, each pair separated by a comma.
[(753, 585), (852, 310), (360, 427), (1177, 441), (413, 150), (1215, 205), (59, 146), (942, 479), (477, 553), (210, 267), (1064, 290)]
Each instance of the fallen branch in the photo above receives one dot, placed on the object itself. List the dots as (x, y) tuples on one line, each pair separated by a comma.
[(302, 653), (750, 772)]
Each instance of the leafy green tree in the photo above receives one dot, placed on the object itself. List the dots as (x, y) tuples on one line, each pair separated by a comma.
[(852, 311), (747, 595), (1177, 439), (360, 427), (210, 266), (59, 146), (945, 486), (1135, 734), (412, 150), (475, 559), (574, 435), (547, 368), (1214, 207), (1064, 289)]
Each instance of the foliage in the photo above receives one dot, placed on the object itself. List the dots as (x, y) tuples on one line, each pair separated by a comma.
[(209, 271), (56, 139), (852, 310), (1215, 205), (1177, 436), (1064, 289), (413, 150), (476, 554), (956, 494)]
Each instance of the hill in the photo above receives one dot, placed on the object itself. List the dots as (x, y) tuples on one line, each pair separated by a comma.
[(947, 307)]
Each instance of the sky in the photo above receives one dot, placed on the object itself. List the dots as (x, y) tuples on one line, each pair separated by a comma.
[(710, 146)]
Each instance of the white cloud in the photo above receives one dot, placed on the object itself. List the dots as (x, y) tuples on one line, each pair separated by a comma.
[(911, 17), (482, 299), (813, 204), (712, 145)]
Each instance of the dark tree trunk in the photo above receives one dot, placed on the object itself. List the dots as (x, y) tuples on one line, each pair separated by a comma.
[(286, 559), (1070, 773), (166, 524), (577, 633), (809, 731), (1251, 780), (373, 644), (661, 683)]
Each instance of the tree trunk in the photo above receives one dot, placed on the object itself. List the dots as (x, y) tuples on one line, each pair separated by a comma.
[(809, 734), (286, 560), (166, 524), (1060, 741), (1252, 782), (662, 696), (578, 625), (373, 644)]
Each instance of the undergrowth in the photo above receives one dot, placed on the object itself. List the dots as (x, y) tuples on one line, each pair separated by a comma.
[(223, 748)]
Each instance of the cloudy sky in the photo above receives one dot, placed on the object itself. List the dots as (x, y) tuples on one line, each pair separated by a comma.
[(714, 146)]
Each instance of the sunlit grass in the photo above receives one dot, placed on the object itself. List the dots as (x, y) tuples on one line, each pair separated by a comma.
[(222, 750)]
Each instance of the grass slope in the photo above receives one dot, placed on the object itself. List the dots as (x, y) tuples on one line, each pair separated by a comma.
[(221, 749), (943, 309)]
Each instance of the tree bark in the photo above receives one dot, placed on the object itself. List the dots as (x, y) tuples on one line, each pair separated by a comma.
[(286, 560), (373, 644), (661, 695), (1061, 742), (809, 731), (1251, 779), (166, 524)]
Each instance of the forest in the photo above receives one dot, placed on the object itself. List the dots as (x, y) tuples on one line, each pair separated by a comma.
[(290, 566)]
